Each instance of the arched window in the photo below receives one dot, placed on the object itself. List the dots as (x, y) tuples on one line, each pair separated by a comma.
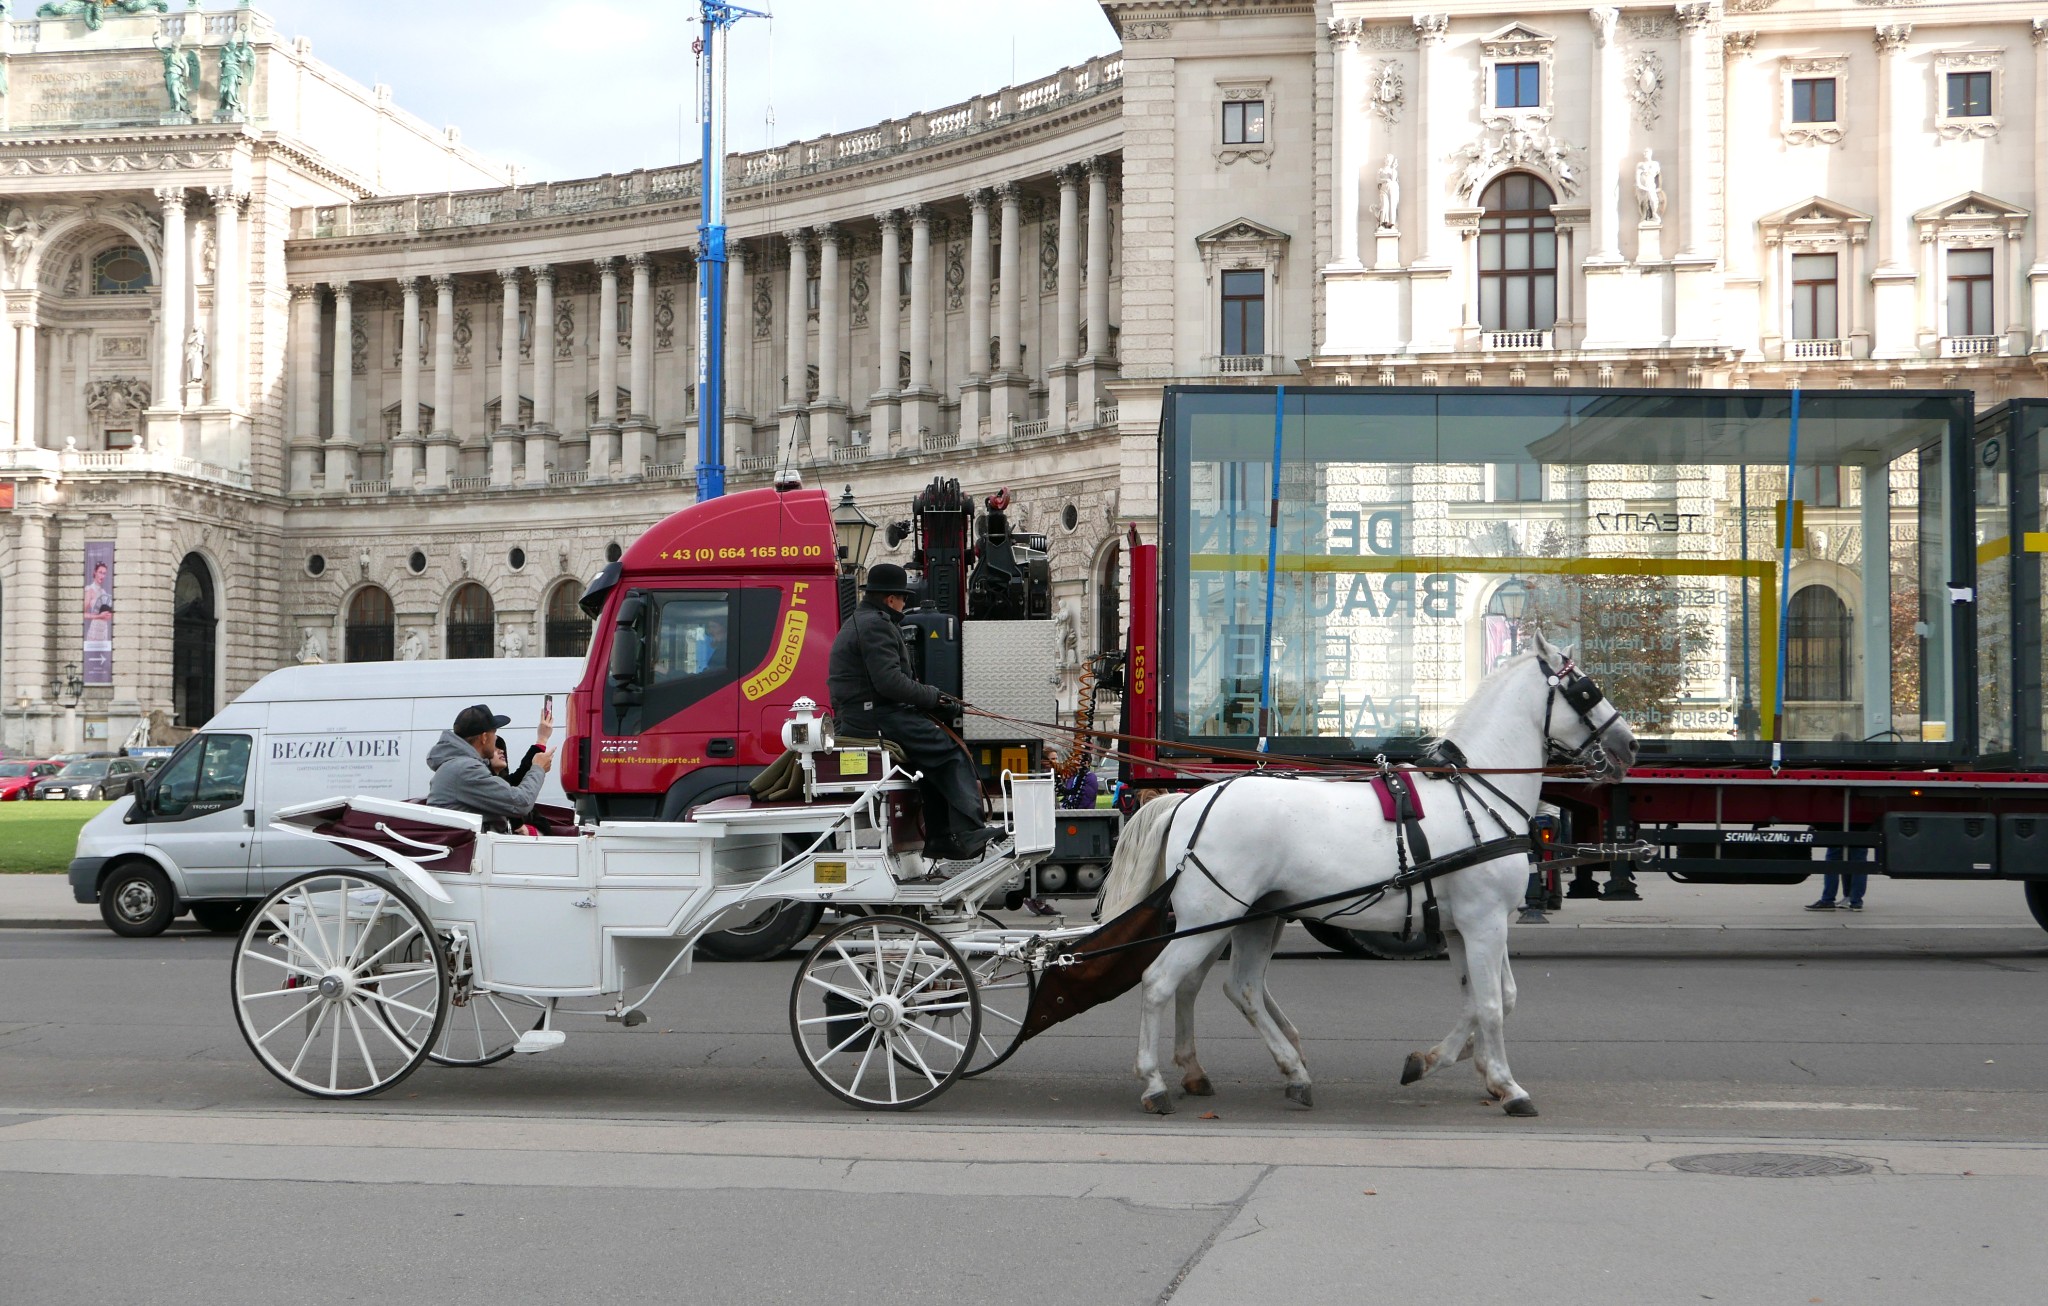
[(1817, 647), (369, 633), (1109, 599), (568, 630), (194, 631), (1517, 255), (472, 623), (120, 271)]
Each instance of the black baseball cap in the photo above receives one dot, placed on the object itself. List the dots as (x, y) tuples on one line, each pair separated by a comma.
[(476, 719)]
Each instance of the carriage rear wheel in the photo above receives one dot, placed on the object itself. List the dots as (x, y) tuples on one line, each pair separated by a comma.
[(885, 1014), (327, 973)]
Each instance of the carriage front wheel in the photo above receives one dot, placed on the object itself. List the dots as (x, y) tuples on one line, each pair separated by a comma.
[(885, 1014), (340, 984)]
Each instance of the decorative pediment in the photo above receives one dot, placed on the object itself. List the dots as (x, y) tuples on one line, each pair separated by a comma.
[(1968, 206), (1241, 231), (1812, 211), (1816, 223), (1516, 40)]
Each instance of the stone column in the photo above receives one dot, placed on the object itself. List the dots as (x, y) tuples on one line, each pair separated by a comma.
[(230, 294), (796, 343), (28, 387), (920, 402), (888, 318), (405, 450), (974, 410), (540, 437), (636, 442), (10, 346), (1894, 283), (604, 430), (1009, 392), (1063, 375), (828, 414), (2037, 275), (739, 356), (170, 386), (303, 431), (1348, 124), (1097, 366), (28, 609), (505, 441), (441, 441), (340, 461), (1603, 189)]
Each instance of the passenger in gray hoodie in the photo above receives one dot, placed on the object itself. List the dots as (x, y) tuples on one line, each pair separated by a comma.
[(463, 778)]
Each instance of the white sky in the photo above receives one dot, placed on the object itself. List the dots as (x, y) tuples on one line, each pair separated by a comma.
[(582, 87)]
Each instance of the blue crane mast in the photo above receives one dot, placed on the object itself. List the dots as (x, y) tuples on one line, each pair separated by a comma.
[(717, 16)]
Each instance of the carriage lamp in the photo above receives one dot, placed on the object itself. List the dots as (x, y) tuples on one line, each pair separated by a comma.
[(854, 530), (68, 688)]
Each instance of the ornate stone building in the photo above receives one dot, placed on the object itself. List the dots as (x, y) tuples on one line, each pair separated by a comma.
[(318, 382)]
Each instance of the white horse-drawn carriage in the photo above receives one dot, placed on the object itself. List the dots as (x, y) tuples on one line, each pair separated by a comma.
[(460, 945)]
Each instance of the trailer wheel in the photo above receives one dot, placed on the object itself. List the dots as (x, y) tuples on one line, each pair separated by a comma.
[(2037, 901), (1383, 944)]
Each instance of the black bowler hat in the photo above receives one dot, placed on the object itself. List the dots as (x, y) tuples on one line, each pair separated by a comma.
[(888, 578), (476, 719)]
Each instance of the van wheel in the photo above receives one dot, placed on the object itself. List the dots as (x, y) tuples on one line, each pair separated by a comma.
[(221, 917), (766, 937), (136, 901)]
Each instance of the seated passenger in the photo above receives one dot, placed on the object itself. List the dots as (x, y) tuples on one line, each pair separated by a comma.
[(463, 779)]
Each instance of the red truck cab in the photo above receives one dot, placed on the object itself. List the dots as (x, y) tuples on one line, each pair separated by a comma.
[(704, 633)]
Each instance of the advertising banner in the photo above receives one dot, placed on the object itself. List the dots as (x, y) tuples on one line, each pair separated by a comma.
[(99, 612)]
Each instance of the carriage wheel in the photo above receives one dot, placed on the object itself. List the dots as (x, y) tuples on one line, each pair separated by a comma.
[(481, 1032), (877, 1013), (327, 971), (1006, 986)]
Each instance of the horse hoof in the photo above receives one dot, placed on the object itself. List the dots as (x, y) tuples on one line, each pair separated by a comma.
[(1158, 1104), (1414, 1068), (1522, 1106), (1301, 1095), (1199, 1086)]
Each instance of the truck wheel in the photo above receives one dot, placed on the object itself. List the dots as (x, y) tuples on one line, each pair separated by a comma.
[(766, 937), (2037, 901), (1384, 944), (136, 901), (221, 917)]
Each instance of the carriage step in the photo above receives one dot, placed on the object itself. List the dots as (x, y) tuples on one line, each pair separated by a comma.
[(540, 1040)]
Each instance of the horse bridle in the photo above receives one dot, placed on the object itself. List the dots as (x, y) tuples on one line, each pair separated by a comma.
[(1580, 694)]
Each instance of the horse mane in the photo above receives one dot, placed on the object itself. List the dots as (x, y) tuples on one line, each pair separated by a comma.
[(1480, 700)]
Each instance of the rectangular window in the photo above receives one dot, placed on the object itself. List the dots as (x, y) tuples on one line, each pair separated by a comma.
[(903, 280), (811, 294), (690, 638), (206, 774), (1518, 482), (1244, 313), (1813, 297), (120, 438), (1517, 86), (1244, 122), (1969, 292), (1813, 99), (1969, 95)]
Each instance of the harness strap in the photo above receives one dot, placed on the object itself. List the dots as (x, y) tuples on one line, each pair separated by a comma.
[(1189, 855), (1441, 866)]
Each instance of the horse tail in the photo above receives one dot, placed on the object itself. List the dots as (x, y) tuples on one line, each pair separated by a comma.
[(1139, 865)]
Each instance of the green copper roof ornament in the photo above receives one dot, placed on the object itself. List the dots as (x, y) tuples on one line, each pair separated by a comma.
[(95, 12)]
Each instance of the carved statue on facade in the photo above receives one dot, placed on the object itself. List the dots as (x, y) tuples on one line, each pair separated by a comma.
[(195, 356), (237, 69), (413, 647), (514, 642), (1388, 92), (1389, 203), (94, 12), (116, 397), (181, 72), (17, 241), (312, 645), (1650, 188)]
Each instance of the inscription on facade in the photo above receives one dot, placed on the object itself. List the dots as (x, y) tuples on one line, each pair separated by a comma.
[(121, 95)]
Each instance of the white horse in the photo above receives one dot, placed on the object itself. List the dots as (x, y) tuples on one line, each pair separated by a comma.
[(1270, 841)]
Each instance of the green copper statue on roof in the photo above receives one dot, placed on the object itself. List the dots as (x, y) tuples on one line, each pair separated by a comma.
[(94, 12)]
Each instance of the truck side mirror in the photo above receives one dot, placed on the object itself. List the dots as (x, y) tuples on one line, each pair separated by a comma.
[(628, 651)]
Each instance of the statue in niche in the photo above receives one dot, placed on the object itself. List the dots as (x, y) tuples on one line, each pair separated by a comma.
[(181, 72), (237, 70), (514, 642), (209, 255), (195, 356), (413, 647), (312, 646), (1650, 188), (1389, 205)]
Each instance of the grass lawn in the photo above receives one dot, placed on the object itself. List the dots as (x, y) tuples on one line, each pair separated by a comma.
[(40, 836)]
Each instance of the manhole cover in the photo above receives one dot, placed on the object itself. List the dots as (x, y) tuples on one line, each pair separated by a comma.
[(1769, 1165)]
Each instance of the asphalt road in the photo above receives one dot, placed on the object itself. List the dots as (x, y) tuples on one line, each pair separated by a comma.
[(148, 1157)]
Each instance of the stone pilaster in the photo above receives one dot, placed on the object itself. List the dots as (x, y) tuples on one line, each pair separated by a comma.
[(1895, 283), (1349, 125), (340, 454), (1063, 376), (739, 355), (230, 298), (974, 400), (636, 440), (1098, 365), (888, 318), (1009, 389), (404, 466), (505, 441), (541, 441), (920, 401), (793, 415), (604, 430), (304, 435), (167, 426), (441, 442), (828, 412)]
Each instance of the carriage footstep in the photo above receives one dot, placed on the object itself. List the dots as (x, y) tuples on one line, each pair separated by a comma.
[(540, 1040)]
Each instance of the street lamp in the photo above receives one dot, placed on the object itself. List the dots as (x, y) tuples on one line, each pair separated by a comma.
[(854, 530), (1513, 597), (67, 688)]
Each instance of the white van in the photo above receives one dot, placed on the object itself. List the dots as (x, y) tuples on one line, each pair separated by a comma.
[(198, 836)]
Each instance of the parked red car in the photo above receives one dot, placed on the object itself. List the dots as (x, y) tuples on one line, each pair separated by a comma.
[(18, 775)]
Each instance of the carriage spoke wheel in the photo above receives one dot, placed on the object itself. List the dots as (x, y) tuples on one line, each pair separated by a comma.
[(1005, 986), (885, 1014), (480, 1032), (340, 984)]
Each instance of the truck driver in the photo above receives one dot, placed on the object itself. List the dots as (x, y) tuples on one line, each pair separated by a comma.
[(874, 693)]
